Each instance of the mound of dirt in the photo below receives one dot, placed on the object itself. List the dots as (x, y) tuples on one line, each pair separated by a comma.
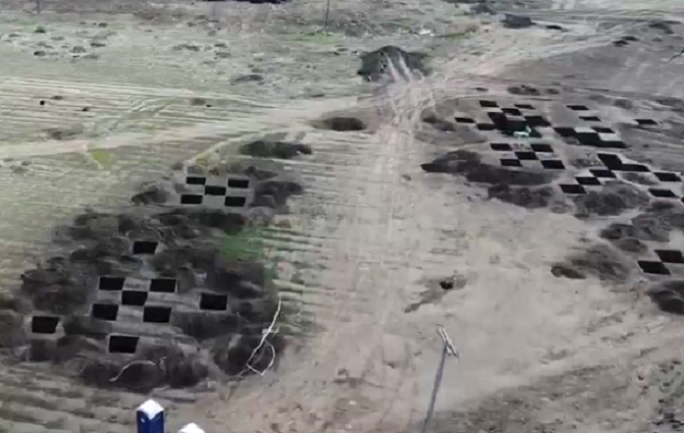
[(669, 296), (274, 149), (469, 165), (598, 260), (653, 225), (613, 199), (383, 63), (530, 198), (194, 256), (341, 124)]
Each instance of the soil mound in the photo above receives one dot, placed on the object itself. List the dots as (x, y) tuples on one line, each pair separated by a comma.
[(152, 296), (598, 260), (275, 149), (669, 296), (613, 199), (470, 165)]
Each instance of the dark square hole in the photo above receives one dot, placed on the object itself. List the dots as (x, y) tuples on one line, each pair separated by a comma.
[(646, 122), (488, 104), (610, 160), (590, 118), (122, 344), (651, 267), (537, 121), (191, 199), (524, 106), (552, 164), (588, 180), (214, 190), (578, 108), (667, 177), (44, 324), (235, 201), (508, 162), (662, 193), (601, 172), (602, 129), (464, 120), (543, 148), (157, 314), (163, 285), (144, 247), (135, 298), (526, 156), (238, 183), (501, 147), (213, 302), (589, 138), (569, 188), (104, 311), (615, 144), (565, 131), (670, 256), (195, 180), (512, 111), (638, 168), (486, 126), (111, 284)]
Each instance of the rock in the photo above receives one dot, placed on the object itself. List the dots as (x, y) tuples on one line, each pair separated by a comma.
[(78, 49), (186, 47), (222, 54), (40, 29), (517, 21), (96, 44), (482, 8), (248, 78), (39, 53)]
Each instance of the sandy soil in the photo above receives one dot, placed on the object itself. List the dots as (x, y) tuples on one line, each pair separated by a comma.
[(537, 353)]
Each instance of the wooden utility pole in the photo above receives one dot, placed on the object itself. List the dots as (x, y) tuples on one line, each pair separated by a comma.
[(447, 349), (327, 14)]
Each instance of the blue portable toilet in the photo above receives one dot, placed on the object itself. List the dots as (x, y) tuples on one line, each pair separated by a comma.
[(150, 417), (191, 428)]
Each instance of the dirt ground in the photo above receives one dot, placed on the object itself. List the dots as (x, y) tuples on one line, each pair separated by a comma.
[(97, 97)]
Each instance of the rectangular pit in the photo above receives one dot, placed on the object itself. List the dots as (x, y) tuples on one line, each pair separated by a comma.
[(156, 314), (537, 121), (653, 267), (588, 180), (134, 298), (577, 107), (590, 118), (191, 199), (44, 324), (195, 180), (572, 189), (111, 284), (526, 156), (509, 162), (214, 190), (667, 176), (541, 148), (662, 193), (501, 147), (232, 201), (122, 344), (144, 247), (553, 164), (524, 106), (602, 173), (464, 120), (489, 104), (213, 302), (670, 256), (104, 311), (163, 285)]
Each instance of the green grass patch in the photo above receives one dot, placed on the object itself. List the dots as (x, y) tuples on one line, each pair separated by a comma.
[(102, 157), (247, 244), (455, 35)]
